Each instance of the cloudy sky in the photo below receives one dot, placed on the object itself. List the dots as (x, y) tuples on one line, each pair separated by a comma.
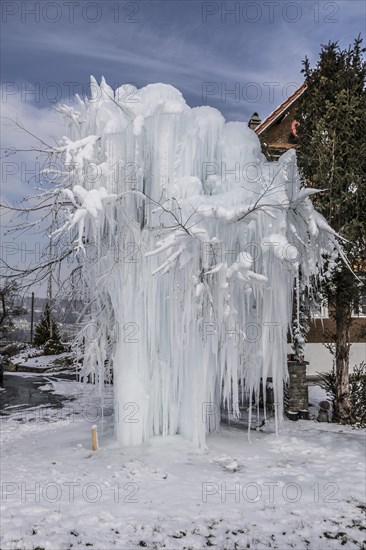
[(206, 49), (237, 56)]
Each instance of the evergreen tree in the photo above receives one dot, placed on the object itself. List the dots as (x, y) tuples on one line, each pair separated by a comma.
[(46, 332), (332, 116)]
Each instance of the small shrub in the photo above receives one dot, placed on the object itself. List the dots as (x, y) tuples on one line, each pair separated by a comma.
[(47, 334), (53, 347), (357, 383), (328, 382), (358, 394)]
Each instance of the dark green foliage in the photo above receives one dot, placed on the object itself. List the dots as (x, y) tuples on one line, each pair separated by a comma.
[(357, 380), (332, 116), (53, 347), (46, 337), (358, 394)]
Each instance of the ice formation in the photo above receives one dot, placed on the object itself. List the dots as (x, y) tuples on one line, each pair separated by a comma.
[(191, 245)]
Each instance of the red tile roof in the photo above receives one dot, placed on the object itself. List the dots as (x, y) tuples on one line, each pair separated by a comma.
[(271, 119)]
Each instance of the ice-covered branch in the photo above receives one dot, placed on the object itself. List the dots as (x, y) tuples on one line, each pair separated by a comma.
[(140, 193)]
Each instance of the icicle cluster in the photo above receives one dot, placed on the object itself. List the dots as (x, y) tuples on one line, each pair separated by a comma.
[(190, 244)]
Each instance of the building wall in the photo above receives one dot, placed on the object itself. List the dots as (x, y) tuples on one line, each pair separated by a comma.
[(321, 360), (280, 132), (320, 330)]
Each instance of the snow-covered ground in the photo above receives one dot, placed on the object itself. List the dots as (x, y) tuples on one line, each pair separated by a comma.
[(303, 489), (33, 360)]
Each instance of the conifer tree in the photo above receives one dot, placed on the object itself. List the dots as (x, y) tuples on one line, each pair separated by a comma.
[(332, 117), (46, 331)]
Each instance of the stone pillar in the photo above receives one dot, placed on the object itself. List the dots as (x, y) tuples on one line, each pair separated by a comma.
[(298, 389)]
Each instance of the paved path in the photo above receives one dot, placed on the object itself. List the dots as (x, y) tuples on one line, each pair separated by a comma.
[(22, 393)]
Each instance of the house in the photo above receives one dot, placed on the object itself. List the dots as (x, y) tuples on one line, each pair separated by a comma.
[(277, 133)]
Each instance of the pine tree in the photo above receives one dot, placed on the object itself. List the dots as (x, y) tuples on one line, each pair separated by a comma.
[(332, 116), (44, 336)]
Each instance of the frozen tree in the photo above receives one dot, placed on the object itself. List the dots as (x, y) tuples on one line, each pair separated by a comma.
[(189, 244)]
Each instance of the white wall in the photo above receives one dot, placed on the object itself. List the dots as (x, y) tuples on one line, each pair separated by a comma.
[(320, 359)]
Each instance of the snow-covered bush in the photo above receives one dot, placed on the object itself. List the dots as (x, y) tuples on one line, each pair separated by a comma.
[(47, 333), (12, 349), (18, 353), (357, 382), (358, 394)]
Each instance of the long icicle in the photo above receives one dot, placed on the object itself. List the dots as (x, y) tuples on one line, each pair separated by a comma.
[(189, 244)]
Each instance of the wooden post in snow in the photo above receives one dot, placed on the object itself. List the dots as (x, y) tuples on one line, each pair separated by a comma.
[(94, 438)]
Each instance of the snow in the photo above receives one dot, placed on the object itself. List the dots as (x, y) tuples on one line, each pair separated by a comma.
[(32, 359), (43, 361), (219, 237), (317, 394), (302, 489)]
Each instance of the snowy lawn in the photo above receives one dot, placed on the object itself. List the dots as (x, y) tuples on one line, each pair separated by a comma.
[(32, 360), (44, 361), (303, 489)]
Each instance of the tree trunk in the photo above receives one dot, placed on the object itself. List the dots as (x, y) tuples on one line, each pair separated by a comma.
[(343, 317)]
